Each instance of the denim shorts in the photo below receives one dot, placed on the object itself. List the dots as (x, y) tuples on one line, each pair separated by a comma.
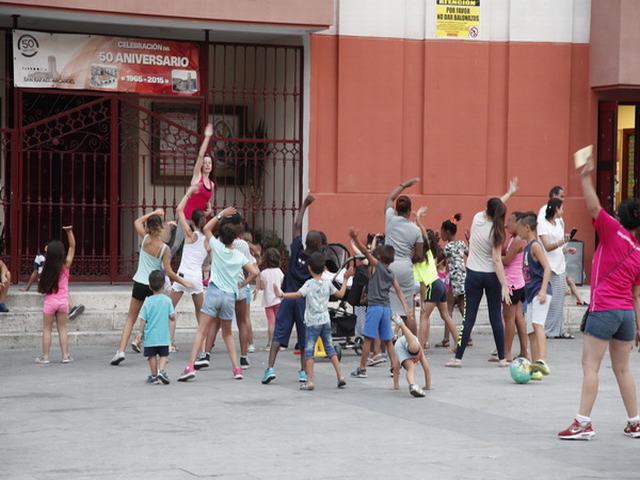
[(377, 323), (436, 292), (608, 324), (219, 304), (313, 332)]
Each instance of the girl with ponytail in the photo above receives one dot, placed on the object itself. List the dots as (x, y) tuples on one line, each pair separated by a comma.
[(485, 274)]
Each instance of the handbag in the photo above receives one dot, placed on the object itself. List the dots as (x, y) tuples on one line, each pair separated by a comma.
[(585, 316)]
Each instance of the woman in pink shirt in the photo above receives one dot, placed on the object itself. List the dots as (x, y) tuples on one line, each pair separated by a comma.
[(512, 258), (202, 178), (614, 312)]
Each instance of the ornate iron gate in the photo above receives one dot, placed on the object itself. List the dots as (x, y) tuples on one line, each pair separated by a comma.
[(100, 160)]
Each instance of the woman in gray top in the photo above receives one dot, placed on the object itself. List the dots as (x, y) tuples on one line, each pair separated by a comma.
[(405, 237)]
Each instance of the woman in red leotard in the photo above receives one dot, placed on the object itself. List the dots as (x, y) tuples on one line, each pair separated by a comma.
[(202, 177)]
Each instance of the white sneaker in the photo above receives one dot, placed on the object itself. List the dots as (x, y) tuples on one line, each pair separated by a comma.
[(117, 358), (251, 349)]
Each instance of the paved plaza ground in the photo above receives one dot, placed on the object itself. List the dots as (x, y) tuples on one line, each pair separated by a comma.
[(91, 420)]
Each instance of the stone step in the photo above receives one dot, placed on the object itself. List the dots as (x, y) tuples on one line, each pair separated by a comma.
[(106, 311)]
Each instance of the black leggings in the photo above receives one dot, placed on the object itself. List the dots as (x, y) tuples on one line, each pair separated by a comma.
[(475, 285)]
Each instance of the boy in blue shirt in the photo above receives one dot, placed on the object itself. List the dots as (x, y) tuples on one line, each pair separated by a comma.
[(156, 313)]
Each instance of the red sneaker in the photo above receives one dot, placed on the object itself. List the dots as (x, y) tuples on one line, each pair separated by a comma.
[(632, 430), (578, 431)]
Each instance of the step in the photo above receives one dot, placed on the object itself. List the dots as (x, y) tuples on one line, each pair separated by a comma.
[(106, 312)]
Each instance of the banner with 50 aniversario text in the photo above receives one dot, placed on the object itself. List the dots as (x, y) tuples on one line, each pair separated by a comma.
[(94, 62)]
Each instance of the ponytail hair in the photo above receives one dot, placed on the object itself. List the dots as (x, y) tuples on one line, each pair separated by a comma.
[(432, 241), (552, 207), (496, 210), (451, 225)]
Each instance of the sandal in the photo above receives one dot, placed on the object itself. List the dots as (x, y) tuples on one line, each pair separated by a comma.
[(307, 386), (565, 336), (443, 344)]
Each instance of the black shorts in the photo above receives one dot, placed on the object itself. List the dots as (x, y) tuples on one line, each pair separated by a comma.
[(160, 350), (517, 296), (436, 292), (141, 291)]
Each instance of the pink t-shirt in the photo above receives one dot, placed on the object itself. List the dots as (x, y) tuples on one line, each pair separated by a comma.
[(616, 245), (513, 271), (63, 287), (199, 200)]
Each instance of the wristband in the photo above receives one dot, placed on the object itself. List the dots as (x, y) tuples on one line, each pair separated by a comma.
[(219, 216)]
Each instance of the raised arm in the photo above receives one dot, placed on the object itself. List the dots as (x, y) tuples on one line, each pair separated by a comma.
[(72, 245), (139, 222), (211, 224), (590, 195), (197, 167), (515, 248), (497, 262), (513, 188), (182, 220), (353, 233), (395, 193), (345, 279), (297, 223), (422, 211)]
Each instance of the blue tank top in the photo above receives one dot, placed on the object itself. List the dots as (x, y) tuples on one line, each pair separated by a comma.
[(533, 274)]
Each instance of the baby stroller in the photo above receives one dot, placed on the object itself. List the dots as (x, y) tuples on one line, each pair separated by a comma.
[(343, 317)]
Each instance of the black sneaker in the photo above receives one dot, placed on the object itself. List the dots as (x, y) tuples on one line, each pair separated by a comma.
[(163, 377), (3, 308), (76, 311), (359, 373), (202, 361), (244, 363), (151, 380)]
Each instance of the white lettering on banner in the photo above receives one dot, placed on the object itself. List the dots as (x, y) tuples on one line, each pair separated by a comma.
[(143, 46), (144, 59)]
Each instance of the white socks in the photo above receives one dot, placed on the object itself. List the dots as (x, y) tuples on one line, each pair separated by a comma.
[(635, 419), (583, 419)]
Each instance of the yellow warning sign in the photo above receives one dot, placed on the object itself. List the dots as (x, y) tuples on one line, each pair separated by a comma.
[(457, 18)]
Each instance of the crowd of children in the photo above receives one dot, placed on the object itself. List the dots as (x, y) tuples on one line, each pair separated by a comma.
[(512, 259)]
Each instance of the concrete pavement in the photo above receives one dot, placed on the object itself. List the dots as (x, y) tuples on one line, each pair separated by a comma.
[(91, 420)]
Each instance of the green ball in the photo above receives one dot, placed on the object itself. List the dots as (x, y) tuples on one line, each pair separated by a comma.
[(520, 370)]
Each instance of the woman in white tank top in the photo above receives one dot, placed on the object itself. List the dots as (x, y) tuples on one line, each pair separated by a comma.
[(194, 254)]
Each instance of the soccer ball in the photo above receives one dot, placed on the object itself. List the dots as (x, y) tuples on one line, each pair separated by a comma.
[(520, 370)]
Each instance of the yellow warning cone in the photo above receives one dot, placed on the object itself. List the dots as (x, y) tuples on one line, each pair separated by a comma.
[(319, 349)]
